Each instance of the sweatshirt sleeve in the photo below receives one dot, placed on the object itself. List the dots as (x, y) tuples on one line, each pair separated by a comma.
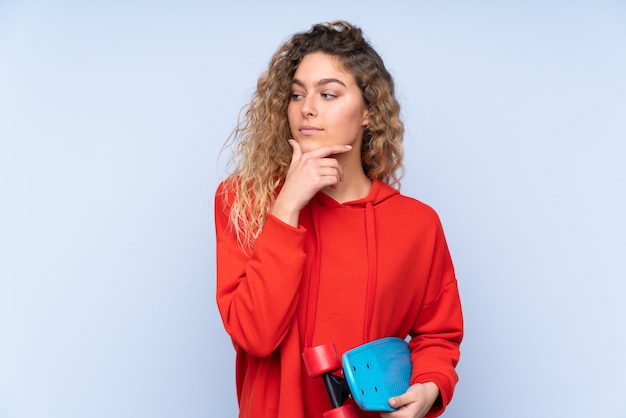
[(257, 294), (438, 331)]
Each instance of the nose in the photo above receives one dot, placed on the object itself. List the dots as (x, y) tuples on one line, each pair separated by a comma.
[(308, 108)]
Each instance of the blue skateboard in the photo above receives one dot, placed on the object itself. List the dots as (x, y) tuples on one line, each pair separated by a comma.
[(372, 373)]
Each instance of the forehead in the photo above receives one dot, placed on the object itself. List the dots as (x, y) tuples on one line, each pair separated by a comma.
[(319, 65)]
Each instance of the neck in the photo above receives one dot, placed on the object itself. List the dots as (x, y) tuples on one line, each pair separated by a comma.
[(353, 187)]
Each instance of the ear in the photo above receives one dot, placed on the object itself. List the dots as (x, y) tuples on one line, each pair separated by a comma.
[(365, 120)]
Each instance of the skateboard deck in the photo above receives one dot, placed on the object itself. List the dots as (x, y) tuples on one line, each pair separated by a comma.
[(377, 371)]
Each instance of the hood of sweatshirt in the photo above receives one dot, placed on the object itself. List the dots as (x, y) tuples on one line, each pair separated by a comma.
[(378, 194)]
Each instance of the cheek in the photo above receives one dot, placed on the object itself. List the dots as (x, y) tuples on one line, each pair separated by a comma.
[(348, 119), (292, 117)]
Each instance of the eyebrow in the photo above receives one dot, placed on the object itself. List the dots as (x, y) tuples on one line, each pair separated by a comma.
[(321, 82)]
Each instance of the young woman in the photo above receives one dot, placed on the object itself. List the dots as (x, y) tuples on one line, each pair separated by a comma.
[(315, 245)]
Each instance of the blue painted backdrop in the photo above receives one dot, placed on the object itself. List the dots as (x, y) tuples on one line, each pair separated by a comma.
[(112, 116)]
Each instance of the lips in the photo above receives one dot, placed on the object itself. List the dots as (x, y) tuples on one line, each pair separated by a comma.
[(309, 130)]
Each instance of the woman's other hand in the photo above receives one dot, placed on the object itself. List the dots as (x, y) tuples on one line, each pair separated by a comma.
[(415, 402)]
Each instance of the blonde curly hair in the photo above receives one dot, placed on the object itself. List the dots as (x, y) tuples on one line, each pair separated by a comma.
[(260, 153)]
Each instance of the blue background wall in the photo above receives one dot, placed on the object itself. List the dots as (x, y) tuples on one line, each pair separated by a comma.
[(112, 116)]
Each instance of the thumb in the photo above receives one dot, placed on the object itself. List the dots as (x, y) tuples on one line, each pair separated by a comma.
[(399, 401), (297, 151)]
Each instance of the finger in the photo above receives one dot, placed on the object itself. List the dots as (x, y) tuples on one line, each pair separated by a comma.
[(331, 175), (393, 414), (399, 401), (330, 165), (297, 151), (329, 150)]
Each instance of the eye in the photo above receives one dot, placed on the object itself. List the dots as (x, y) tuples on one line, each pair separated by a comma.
[(296, 96), (329, 96)]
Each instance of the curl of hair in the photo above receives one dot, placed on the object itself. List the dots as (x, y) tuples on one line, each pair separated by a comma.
[(260, 152)]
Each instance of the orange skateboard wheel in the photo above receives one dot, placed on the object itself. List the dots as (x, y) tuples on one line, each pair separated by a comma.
[(321, 359), (345, 411)]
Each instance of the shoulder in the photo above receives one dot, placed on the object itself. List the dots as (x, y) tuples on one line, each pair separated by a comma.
[(227, 190), (417, 205), (410, 207), (225, 195)]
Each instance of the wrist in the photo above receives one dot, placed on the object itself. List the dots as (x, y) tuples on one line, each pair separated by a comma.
[(432, 390), (285, 212)]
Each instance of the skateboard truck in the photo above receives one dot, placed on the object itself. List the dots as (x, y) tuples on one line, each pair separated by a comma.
[(372, 373)]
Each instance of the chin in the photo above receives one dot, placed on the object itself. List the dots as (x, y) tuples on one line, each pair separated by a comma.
[(309, 144)]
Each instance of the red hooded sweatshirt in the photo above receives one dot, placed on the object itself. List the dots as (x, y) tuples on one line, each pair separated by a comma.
[(350, 273)]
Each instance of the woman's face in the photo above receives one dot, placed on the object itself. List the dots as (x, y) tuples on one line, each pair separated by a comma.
[(326, 105)]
